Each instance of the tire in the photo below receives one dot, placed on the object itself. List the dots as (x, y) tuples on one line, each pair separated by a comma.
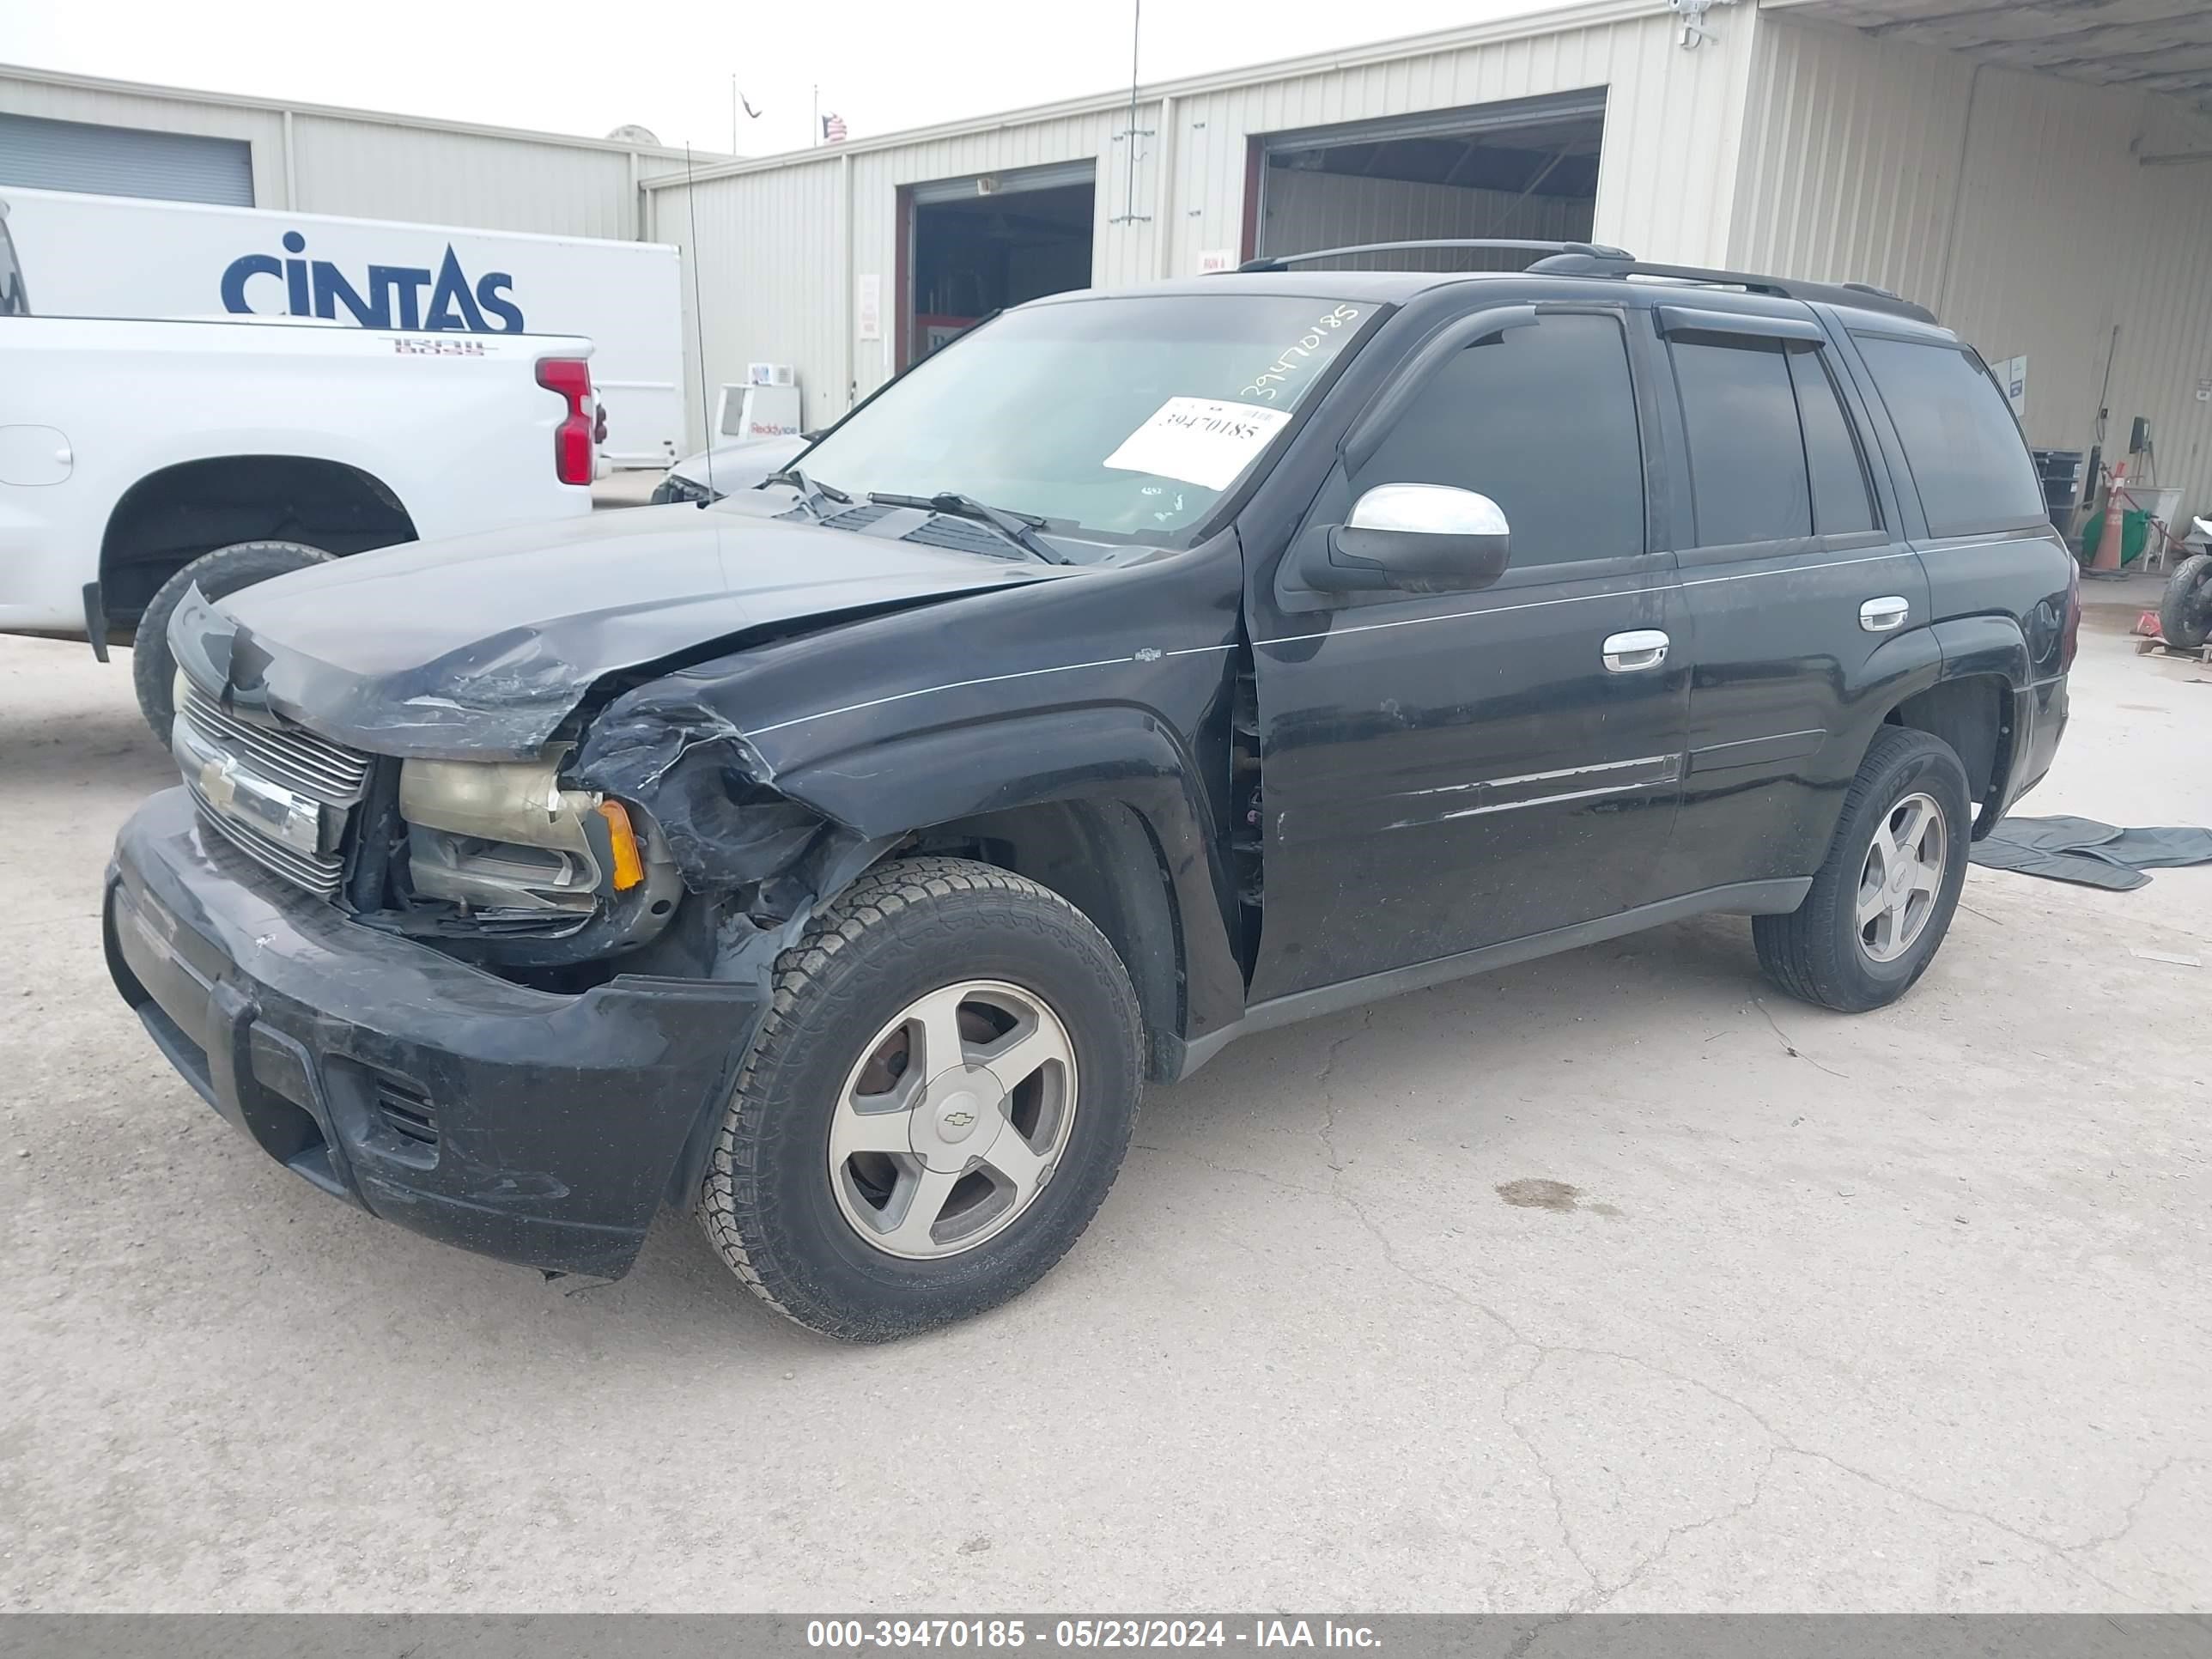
[(219, 574), (1819, 953), (783, 1214), (2185, 614)]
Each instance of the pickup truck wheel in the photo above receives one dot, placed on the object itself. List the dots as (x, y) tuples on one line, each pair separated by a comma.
[(933, 1107), (219, 573), (1880, 904), (2185, 614)]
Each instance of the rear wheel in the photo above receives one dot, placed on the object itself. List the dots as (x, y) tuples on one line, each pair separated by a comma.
[(1881, 902), (218, 575), (934, 1106), (2184, 615)]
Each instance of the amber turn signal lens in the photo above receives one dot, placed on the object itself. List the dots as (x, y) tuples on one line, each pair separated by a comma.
[(630, 866)]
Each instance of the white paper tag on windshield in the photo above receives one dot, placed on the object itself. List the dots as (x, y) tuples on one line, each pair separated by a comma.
[(1201, 440)]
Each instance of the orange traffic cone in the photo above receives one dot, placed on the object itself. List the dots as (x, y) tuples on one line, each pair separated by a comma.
[(2115, 530)]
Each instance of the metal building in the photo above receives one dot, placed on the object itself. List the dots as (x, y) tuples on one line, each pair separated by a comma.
[(75, 132), (2039, 171)]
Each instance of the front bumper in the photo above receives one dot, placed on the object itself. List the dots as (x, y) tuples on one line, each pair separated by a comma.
[(534, 1127)]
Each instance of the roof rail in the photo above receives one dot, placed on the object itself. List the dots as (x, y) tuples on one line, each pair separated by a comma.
[(1580, 262), (1579, 250)]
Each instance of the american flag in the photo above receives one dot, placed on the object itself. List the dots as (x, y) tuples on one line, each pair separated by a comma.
[(834, 131)]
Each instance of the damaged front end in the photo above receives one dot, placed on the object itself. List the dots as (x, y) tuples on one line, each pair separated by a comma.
[(655, 842), (486, 746), (553, 869), (495, 1000)]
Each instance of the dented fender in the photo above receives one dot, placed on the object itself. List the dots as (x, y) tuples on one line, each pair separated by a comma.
[(789, 763)]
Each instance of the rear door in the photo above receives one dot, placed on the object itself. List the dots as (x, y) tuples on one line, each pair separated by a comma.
[(1443, 772), (1796, 575), (1998, 576)]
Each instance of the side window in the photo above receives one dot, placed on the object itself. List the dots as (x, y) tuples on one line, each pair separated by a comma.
[(1542, 420), (1960, 441), (1748, 474), (1842, 502)]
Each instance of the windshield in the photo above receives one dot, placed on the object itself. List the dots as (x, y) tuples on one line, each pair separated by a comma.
[(14, 301), (1127, 416)]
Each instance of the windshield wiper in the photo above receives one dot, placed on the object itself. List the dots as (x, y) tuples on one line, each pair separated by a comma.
[(811, 494), (1019, 528)]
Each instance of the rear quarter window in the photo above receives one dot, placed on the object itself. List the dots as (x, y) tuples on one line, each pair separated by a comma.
[(1968, 464)]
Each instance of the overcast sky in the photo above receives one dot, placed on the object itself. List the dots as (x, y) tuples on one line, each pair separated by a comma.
[(568, 67)]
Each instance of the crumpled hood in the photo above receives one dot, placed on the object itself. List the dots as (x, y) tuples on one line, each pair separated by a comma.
[(479, 645)]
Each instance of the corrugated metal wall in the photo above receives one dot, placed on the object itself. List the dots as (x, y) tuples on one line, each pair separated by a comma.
[(2014, 204), (322, 160), (370, 171), (764, 261), (1666, 184)]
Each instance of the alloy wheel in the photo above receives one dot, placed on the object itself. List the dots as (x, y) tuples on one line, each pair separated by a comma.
[(952, 1123), (1901, 878)]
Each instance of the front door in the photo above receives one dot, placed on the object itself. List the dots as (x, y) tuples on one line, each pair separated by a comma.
[(1440, 772)]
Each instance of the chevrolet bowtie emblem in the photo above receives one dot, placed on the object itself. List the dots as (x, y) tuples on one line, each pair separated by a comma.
[(218, 781)]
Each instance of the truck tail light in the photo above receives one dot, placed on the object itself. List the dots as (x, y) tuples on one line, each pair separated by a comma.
[(2070, 637), (572, 439)]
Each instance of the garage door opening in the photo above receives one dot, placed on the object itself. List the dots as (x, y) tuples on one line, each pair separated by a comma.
[(1526, 170), (977, 245)]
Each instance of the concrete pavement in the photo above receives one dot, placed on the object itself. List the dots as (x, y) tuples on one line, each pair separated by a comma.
[(1614, 1280)]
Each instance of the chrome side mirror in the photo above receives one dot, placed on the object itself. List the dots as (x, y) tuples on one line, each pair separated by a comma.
[(1417, 537)]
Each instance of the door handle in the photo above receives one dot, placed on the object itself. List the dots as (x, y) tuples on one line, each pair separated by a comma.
[(1633, 652), (1885, 615)]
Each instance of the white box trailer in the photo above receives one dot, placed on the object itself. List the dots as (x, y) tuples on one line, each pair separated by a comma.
[(120, 256)]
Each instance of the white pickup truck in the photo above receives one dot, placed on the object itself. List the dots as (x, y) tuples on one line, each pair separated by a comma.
[(139, 458)]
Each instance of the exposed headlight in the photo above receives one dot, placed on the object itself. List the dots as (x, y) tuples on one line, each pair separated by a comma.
[(497, 800), (504, 835)]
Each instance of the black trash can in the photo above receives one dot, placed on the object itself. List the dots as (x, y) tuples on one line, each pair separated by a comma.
[(2060, 469)]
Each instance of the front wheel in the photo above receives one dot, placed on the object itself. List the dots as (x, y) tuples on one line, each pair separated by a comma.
[(218, 575), (1883, 901), (2185, 614), (936, 1103)]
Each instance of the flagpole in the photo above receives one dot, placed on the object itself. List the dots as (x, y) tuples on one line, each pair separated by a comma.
[(733, 114), (817, 116)]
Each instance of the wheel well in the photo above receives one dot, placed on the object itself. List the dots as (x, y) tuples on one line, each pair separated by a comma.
[(1103, 859), (1974, 716), (169, 518)]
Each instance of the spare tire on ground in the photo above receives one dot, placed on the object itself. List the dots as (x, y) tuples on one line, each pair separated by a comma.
[(2184, 615)]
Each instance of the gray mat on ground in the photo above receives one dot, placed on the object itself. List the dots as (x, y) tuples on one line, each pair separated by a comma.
[(2092, 853)]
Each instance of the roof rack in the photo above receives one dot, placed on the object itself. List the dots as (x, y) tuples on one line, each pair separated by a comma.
[(1610, 262), (1577, 250)]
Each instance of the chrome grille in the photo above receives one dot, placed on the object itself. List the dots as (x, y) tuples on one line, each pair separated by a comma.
[(321, 874), (296, 759), (326, 772)]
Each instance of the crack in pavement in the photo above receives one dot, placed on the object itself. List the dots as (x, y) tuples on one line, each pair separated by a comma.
[(1544, 1468), (1204, 1162), (2129, 1516), (1326, 1133), (1651, 1560), (1778, 1443)]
